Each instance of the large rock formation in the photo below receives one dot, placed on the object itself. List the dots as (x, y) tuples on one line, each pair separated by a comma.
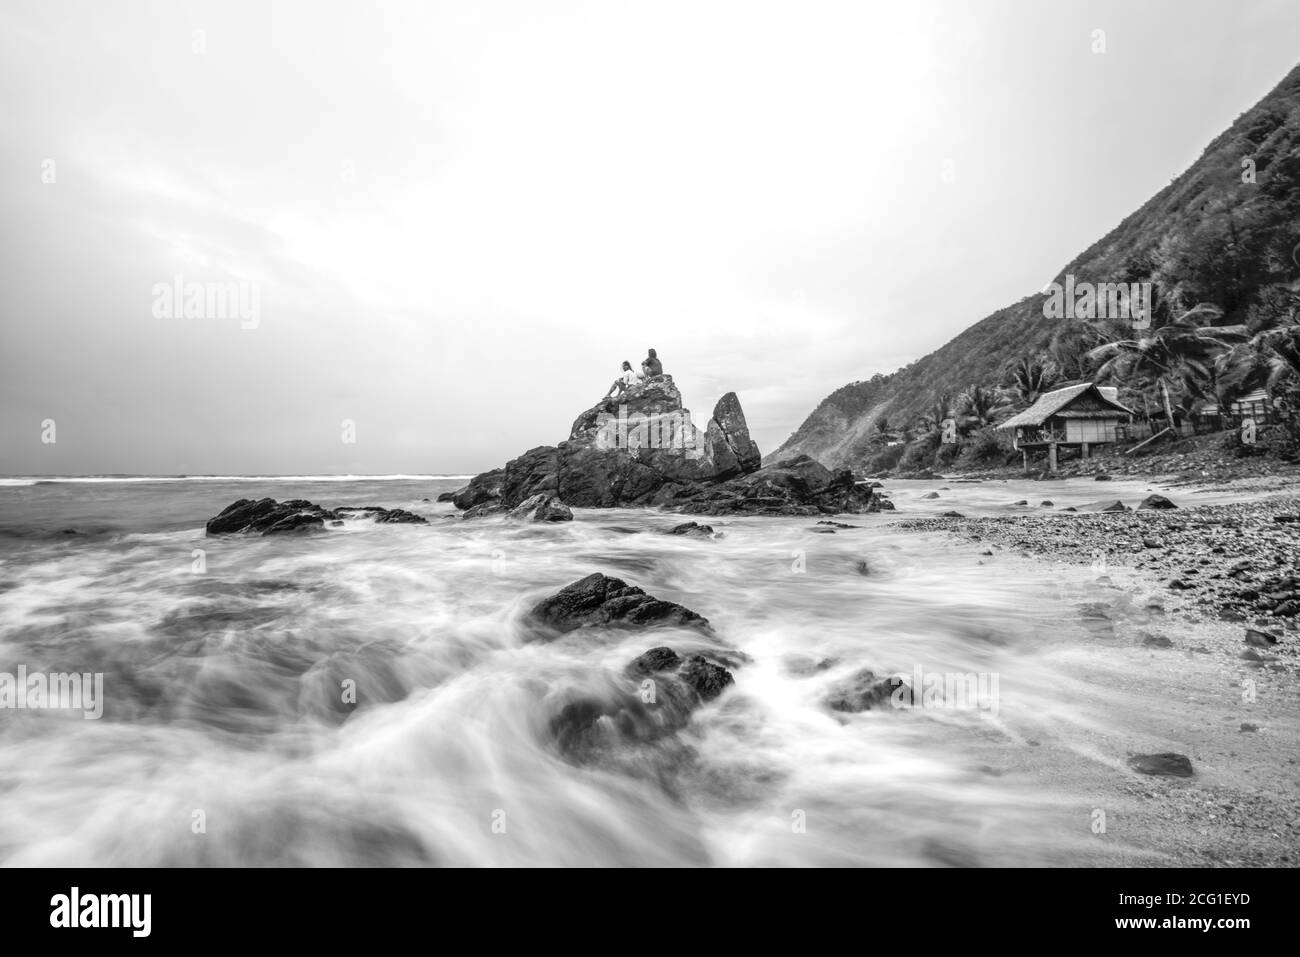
[(642, 448)]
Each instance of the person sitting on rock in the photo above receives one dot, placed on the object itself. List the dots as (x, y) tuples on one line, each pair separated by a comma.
[(625, 381), (651, 366)]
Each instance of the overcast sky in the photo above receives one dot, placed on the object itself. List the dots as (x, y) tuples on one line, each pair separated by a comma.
[(461, 217)]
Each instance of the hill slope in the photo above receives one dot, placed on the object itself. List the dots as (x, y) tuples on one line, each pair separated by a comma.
[(1206, 237)]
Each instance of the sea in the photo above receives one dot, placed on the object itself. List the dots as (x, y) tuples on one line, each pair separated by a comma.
[(378, 694)]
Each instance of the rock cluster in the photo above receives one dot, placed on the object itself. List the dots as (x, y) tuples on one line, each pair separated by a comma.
[(266, 516)]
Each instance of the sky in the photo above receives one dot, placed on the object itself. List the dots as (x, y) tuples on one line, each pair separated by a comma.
[(453, 221)]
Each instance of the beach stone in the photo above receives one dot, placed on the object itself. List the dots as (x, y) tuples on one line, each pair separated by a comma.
[(1156, 502), (1260, 639), (930, 495), (1164, 764), (1046, 503)]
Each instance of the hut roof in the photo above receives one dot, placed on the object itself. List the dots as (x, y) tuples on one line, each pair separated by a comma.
[(1052, 403)]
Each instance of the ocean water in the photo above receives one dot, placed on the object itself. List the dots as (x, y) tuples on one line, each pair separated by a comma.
[(226, 738)]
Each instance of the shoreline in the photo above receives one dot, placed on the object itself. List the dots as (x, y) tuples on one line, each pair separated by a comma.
[(1231, 704)]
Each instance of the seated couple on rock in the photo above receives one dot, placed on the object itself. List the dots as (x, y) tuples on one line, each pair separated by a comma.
[(650, 367)]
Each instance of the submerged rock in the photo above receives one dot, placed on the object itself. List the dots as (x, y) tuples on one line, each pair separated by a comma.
[(693, 529), (601, 600), (861, 692), (655, 696)]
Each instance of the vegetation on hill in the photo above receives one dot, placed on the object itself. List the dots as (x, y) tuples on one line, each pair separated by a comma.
[(1220, 246)]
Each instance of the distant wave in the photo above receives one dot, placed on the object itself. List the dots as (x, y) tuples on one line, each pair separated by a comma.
[(58, 479)]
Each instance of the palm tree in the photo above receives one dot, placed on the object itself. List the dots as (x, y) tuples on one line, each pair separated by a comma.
[(981, 405), (1182, 350), (940, 409), (1031, 376), (1260, 363)]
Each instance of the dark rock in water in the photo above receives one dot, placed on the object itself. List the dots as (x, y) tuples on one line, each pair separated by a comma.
[(1156, 501), (1103, 477), (446, 497), (481, 488), (268, 517), (484, 509), (542, 508), (837, 524), (1165, 764), (383, 516), (802, 666), (668, 689), (399, 516), (862, 692), (1046, 502), (693, 529), (1247, 726), (1023, 502), (706, 679), (1107, 505), (1155, 641), (797, 486), (930, 495), (822, 531), (1069, 508), (601, 600), (951, 515), (1260, 639), (654, 660)]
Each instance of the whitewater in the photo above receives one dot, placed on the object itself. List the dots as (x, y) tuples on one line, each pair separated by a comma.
[(228, 736)]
